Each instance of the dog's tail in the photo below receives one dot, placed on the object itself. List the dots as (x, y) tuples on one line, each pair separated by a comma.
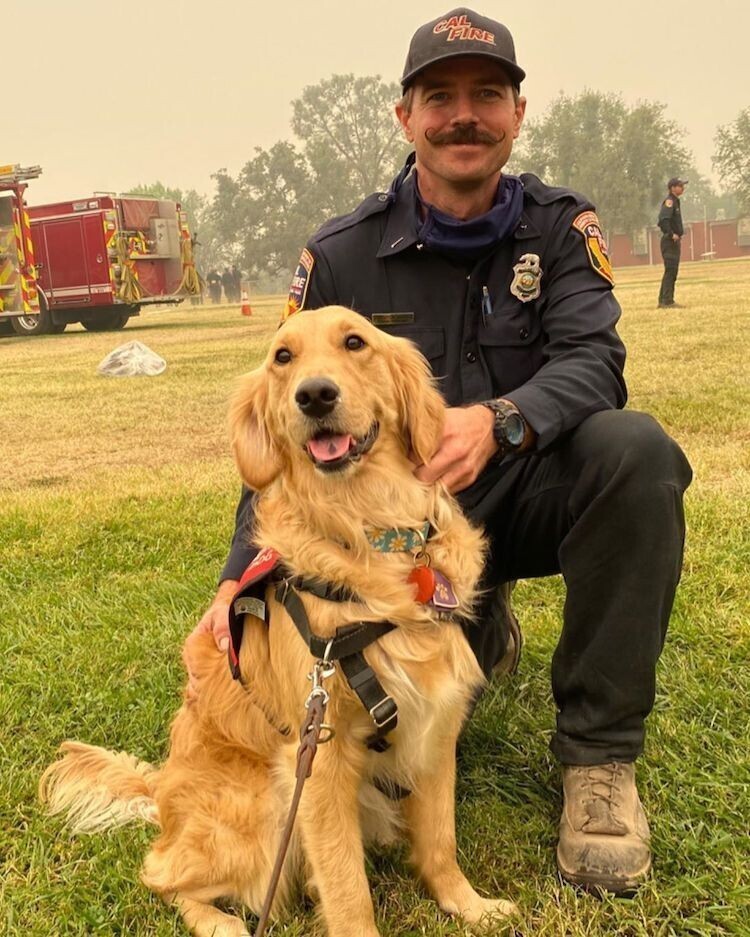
[(98, 789)]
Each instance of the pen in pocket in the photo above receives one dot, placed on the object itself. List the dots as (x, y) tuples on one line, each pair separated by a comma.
[(486, 305)]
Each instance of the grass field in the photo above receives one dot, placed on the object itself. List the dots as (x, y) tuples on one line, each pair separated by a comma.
[(116, 506)]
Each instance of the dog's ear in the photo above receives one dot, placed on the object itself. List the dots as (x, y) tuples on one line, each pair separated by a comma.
[(421, 407), (257, 457)]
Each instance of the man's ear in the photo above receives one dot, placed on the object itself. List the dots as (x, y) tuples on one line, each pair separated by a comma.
[(403, 118), (519, 116), (421, 408), (255, 452)]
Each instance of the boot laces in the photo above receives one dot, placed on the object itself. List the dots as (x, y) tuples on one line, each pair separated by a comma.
[(604, 783)]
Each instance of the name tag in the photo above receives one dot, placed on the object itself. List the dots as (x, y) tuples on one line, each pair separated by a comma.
[(392, 318)]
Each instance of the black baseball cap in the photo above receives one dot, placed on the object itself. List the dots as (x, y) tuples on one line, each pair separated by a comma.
[(675, 181), (461, 32)]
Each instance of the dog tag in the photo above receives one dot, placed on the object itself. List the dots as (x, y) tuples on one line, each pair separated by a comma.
[(424, 579), (443, 596)]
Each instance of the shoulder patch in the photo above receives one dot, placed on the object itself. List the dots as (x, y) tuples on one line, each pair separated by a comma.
[(587, 224), (300, 282), (668, 203)]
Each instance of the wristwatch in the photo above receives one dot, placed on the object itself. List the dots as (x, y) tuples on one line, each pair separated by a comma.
[(509, 429)]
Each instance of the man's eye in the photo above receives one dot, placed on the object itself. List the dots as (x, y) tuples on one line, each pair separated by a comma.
[(438, 97), (354, 342), (282, 356), (489, 93)]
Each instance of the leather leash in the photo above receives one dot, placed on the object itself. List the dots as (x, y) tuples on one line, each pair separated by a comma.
[(310, 733)]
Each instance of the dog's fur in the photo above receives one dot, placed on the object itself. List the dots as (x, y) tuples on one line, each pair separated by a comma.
[(222, 797)]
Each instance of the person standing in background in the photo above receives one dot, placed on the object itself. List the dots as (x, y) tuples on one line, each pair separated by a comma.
[(670, 222)]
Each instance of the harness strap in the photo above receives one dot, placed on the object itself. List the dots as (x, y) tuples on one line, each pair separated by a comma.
[(323, 590), (346, 647), (381, 707)]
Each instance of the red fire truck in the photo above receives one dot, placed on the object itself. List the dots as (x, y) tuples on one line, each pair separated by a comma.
[(18, 294), (99, 260)]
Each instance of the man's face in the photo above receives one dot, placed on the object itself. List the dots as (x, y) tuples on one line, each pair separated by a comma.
[(677, 190), (463, 120)]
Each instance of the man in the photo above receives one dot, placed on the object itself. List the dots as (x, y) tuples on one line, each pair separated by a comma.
[(213, 280), (236, 283), (670, 222), (505, 285), (227, 281)]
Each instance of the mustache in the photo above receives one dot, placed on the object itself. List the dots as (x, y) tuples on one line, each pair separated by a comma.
[(464, 135)]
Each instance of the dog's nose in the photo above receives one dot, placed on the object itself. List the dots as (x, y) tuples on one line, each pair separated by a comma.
[(317, 396)]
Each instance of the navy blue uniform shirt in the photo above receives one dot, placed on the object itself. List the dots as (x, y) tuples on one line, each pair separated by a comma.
[(556, 356), (670, 217)]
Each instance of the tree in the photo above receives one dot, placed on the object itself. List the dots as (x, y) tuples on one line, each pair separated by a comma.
[(351, 135), (618, 156), (702, 202), (350, 146), (732, 157)]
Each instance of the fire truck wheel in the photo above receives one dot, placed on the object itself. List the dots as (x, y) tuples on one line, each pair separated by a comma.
[(41, 324), (111, 321), (33, 325)]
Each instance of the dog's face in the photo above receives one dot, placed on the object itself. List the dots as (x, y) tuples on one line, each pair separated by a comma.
[(332, 389)]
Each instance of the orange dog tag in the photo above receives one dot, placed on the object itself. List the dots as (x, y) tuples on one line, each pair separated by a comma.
[(424, 579)]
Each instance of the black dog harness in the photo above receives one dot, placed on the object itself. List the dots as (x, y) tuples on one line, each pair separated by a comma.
[(346, 646)]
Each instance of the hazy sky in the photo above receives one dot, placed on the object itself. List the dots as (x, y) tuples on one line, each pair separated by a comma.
[(104, 96)]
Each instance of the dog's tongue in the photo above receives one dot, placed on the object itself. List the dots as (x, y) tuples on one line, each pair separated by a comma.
[(328, 448)]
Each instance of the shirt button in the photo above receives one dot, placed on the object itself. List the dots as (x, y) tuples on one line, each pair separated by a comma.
[(523, 333), (471, 357), (420, 246)]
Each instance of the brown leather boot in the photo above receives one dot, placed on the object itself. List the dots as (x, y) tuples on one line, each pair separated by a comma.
[(604, 835)]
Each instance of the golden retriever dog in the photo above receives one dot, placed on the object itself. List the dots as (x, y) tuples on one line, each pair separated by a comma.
[(327, 432)]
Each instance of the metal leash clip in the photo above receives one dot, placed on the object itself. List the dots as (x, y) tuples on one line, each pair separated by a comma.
[(322, 670)]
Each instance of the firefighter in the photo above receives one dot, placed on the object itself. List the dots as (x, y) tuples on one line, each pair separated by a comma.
[(670, 222), (227, 281), (505, 285), (213, 280)]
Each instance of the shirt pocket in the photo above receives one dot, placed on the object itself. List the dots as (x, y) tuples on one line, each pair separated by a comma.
[(429, 340), (511, 344)]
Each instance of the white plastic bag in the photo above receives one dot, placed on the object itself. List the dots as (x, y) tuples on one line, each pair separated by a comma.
[(133, 359)]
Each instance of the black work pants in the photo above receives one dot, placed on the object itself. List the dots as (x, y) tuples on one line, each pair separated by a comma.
[(670, 252), (604, 508)]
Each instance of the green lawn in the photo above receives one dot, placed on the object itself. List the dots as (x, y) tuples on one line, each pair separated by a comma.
[(116, 507)]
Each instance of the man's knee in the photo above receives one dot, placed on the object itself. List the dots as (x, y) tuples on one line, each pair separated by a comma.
[(625, 441)]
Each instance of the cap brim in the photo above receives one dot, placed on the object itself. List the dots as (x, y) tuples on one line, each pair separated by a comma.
[(515, 72)]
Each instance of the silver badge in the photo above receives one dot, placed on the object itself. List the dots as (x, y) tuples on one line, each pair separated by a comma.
[(526, 282)]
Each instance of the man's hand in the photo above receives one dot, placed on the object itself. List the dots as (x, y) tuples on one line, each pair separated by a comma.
[(675, 237), (216, 623), (216, 618), (467, 446)]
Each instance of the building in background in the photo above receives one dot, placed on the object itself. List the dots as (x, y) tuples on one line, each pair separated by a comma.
[(703, 240)]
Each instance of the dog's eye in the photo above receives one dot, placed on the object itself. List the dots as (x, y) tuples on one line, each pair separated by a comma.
[(282, 356), (354, 342)]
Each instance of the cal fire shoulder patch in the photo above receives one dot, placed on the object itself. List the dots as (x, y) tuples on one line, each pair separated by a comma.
[(300, 282), (668, 203), (587, 224)]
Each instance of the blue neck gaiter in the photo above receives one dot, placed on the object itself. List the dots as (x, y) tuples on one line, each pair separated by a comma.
[(469, 239)]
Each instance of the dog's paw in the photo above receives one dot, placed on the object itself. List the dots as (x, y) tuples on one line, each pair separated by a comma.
[(486, 912)]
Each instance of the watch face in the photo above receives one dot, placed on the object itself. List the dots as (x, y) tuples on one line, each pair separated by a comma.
[(514, 429)]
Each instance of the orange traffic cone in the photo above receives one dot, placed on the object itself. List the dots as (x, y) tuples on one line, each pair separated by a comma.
[(246, 310)]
